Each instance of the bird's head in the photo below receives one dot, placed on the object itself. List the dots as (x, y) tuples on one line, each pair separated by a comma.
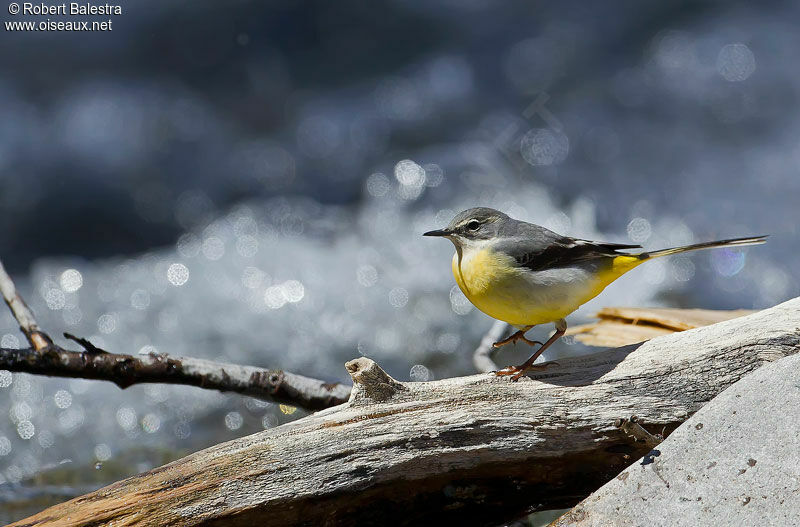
[(472, 225)]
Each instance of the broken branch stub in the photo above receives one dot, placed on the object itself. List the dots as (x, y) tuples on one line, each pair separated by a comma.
[(371, 383), (22, 313)]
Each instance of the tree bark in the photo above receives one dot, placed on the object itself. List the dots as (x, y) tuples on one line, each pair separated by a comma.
[(477, 449)]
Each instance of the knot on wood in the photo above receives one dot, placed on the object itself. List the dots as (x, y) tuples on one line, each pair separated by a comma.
[(633, 429), (371, 382), (269, 380)]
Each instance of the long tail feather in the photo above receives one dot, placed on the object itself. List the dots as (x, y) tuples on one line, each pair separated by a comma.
[(734, 242)]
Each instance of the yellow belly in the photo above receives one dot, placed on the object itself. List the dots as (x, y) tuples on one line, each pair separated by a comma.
[(496, 286)]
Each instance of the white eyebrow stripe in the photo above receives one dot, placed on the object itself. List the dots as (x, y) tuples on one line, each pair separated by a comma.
[(469, 220)]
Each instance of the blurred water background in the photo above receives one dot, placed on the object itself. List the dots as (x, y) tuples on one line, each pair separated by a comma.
[(248, 182)]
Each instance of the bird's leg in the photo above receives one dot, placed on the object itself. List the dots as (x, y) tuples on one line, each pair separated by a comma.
[(519, 335), (515, 372)]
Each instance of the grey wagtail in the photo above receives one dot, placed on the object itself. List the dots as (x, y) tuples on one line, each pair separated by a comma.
[(526, 275)]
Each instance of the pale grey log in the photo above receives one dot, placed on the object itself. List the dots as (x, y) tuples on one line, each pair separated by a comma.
[(476, 449)]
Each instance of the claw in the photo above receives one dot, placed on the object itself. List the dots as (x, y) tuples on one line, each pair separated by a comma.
[(519, 335), (515, 372), (511, 371)]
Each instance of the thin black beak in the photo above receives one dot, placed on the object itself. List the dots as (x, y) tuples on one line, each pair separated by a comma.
[(438, 232)]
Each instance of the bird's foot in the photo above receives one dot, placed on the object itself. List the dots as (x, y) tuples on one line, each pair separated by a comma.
[(519, 335), (515, 372)]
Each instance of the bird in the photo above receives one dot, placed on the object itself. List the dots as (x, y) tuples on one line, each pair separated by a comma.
[(527, 275)]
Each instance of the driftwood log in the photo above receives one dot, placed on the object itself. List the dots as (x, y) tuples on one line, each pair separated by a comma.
[(478, 449)]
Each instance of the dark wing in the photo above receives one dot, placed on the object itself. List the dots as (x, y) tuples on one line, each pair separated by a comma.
[(613, 247), (538, 248)]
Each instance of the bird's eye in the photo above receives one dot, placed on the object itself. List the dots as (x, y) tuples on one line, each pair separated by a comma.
[(473, 225)]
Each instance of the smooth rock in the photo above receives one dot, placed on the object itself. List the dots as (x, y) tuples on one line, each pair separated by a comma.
[(735, 462)]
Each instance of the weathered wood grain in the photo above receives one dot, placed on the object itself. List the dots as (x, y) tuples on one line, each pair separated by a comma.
[(476, 449)]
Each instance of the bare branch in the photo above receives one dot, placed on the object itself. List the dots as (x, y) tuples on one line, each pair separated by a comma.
[(127, 370), (44, 357)]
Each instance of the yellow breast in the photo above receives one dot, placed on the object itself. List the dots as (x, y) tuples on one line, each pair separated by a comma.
[(491, 282), (478, 271)]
